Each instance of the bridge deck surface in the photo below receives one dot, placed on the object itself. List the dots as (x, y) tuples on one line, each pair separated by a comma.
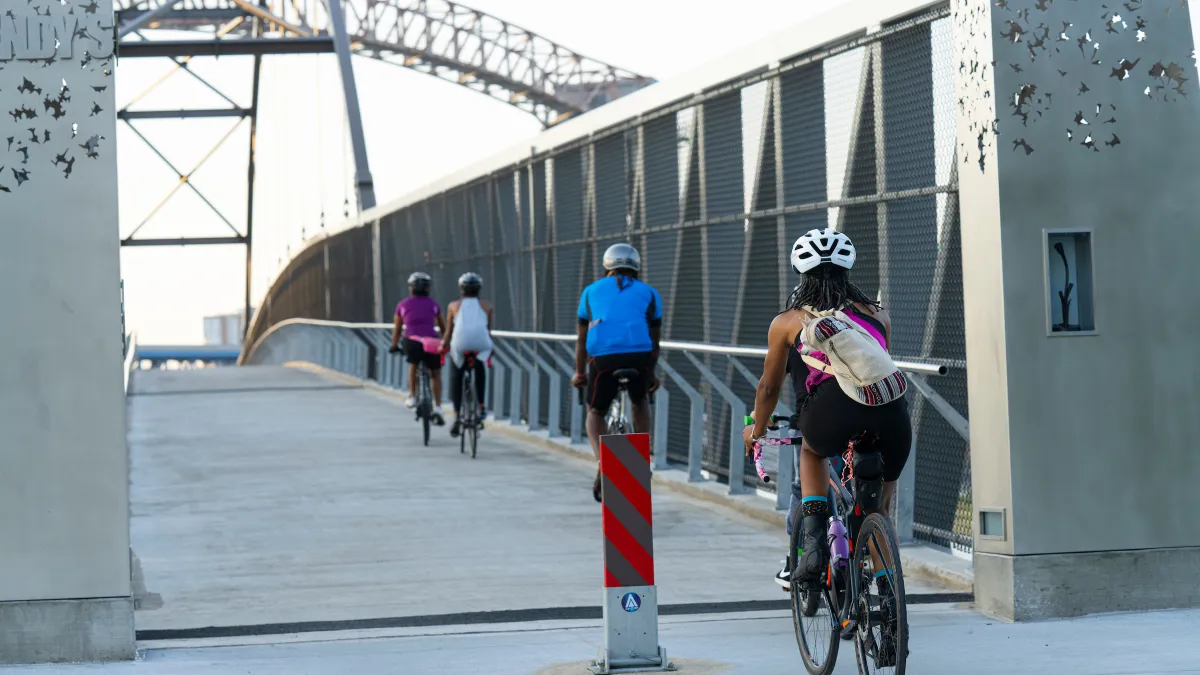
[(272, 495), (266, 495)]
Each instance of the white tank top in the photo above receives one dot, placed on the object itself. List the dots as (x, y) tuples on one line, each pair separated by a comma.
[(470, 328)]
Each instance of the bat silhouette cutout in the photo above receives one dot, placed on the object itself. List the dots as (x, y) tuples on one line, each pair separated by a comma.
[(23, 113), (24, 153), (91, 146), (55, 105), (28, 87), (33, 136), (1123, 69), (68, 161), (1020, 143), (96, 109), (100, 88), (1114, 142), (46, 136), (10, 141), (91, 7), (21, 176)]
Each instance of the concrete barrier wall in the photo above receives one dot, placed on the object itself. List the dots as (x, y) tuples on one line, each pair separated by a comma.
[(63, 464), (1080, 129)]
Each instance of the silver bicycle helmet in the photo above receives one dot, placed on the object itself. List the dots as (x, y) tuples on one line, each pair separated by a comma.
[(622, 257), (420, 281)]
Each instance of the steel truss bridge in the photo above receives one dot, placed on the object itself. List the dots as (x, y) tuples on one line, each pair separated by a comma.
[(444, 39)]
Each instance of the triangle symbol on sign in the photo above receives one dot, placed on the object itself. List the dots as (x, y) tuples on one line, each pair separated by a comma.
[(631, 602)]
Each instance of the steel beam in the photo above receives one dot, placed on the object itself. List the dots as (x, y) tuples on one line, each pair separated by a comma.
[(182, 114), (240, 47), (146, 17), (185, 241), (257, 80), (363, 183), (186, 18)]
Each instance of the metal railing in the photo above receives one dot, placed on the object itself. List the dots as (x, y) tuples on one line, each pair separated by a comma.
[(530, 387), (130, 352)]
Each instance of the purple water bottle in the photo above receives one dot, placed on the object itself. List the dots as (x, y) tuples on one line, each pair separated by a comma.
[(839, 543)]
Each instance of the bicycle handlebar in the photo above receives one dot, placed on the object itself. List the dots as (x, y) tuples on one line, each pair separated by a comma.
[(758, 445)]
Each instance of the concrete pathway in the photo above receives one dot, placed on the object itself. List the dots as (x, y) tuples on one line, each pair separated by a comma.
[(945, 641), (275, 495), (266, 498)]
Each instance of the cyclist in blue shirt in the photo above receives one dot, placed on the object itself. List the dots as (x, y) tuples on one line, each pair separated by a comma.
[(620, 319)]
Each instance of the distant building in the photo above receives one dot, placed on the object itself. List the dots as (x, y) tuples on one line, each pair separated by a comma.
[(226, 329)]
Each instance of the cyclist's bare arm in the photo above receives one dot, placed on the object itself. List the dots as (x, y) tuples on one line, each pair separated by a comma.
[(397, 329), (580, 351), (780, 338), (441, 324), (451, 310), (655, 338), (487, 309)]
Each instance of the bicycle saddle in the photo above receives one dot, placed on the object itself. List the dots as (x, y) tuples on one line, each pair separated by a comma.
[(626, 374)]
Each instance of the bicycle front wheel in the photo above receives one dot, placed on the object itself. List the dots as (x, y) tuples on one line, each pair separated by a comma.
[(881, 641), (814, 617)]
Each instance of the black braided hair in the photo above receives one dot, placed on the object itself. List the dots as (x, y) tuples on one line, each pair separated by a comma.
[(826, 287)]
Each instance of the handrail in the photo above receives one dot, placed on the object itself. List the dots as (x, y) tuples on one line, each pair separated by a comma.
[(130, 352), (694, 347)]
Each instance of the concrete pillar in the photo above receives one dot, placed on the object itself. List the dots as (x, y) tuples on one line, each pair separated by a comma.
[(64, 534), (1078, 127)]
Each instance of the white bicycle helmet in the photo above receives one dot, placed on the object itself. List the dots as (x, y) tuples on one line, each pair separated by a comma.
[(822, 246)]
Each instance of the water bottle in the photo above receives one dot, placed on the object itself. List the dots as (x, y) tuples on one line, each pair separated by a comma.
[(839, 543)]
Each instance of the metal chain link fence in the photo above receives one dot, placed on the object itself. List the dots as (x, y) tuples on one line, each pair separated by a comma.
[(858, 136)]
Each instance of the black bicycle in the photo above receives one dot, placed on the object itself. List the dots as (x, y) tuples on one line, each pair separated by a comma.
[(863, 549), (423, 397), (469, 420)]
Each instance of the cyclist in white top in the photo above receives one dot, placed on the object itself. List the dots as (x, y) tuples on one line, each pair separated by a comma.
[(470, 330)]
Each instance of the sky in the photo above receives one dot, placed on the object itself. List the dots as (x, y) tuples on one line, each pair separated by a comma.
[(417, 127)]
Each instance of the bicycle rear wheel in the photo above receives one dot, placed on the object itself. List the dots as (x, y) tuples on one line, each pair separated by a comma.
[(471, 402), (881, 641)]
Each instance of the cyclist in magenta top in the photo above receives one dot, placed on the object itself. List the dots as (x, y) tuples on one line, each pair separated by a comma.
[(420, 316)]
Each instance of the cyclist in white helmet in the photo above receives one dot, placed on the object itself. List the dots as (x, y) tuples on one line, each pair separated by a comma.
[(619, 323), (470, 330), (826, 417)]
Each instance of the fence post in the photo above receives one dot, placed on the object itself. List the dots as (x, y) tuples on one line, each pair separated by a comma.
[(737, 459), (696, 428), (661, 406), (576, 408)]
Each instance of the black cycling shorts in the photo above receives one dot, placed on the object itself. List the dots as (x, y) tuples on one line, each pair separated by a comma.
[(602, 386), (828, 419), (415, 352)]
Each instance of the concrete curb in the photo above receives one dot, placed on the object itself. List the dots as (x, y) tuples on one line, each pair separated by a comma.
[(918, 560)]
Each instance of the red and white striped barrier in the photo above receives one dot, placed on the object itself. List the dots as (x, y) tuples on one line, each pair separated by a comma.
[(630, 597)]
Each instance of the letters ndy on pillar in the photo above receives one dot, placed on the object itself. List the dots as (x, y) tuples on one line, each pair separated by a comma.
[(630, 598)]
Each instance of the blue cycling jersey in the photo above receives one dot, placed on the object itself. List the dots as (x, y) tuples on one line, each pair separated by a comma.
[(619, 312)]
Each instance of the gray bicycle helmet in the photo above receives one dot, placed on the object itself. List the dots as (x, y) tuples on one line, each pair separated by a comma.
[(420, 282), (622, 257), (470, 282)]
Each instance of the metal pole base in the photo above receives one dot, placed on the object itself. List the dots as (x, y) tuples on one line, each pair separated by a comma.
[(650, 664)]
